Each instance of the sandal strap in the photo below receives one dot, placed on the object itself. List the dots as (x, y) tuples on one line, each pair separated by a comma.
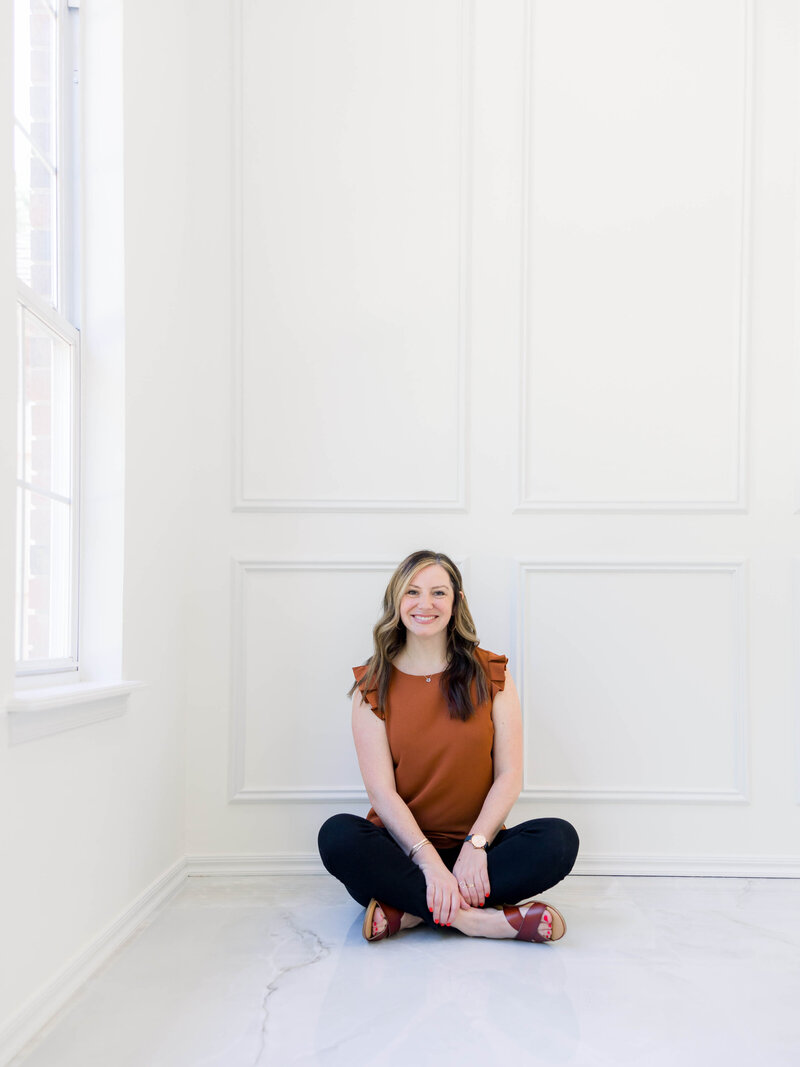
[(393, 917), (527, 926)]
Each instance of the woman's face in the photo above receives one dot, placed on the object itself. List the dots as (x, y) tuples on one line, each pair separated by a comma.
[(427, 604)]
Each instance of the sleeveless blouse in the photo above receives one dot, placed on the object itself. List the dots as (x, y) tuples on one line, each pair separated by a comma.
[(443, 767)]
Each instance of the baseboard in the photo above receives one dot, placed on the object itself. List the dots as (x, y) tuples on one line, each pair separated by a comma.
[(600, 864), (43, 1006), (689, 866), (234, 865)]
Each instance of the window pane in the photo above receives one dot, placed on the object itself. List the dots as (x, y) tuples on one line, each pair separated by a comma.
[(46, 416), (43, 586), (36, 219), (35, 73), (46, 170)]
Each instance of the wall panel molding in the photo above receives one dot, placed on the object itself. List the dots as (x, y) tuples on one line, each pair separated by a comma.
[(238, 791), (637, 796), (738, 501), (737, 569), (455, 501)]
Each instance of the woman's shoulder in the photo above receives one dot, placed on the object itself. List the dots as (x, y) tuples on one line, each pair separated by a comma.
[(370, 695), (360, 671), (494, 667)]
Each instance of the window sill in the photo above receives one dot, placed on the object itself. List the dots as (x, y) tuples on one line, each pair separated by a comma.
[(35, 713)]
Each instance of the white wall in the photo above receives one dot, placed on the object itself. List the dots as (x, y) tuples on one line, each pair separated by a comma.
[(520, 287), (93, 817)]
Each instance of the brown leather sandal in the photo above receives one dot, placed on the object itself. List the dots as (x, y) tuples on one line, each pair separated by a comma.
[(527, 925), (393, 917)]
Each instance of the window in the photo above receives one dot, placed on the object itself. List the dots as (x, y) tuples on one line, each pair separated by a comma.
[(48, 338)]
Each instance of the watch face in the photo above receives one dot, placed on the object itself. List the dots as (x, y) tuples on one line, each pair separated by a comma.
[(478, 840)]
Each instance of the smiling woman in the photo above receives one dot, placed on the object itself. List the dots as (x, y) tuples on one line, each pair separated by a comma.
[(438, 733), (426, 628)]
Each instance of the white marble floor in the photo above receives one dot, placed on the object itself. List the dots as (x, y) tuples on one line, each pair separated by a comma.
[(248, 972)]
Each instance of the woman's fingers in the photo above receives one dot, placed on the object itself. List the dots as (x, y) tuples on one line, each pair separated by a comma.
[(485, 887), (453, 905), (442, 905), (477, 888), (437, 903), (450, 903), (442, 916), (474, 886), (446, 897)]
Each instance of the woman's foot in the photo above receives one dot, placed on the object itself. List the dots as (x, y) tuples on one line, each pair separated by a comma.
[(379, 921), (475, 922)]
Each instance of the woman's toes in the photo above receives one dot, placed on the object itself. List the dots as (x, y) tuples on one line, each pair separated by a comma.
[(546, 925), (378, 921)]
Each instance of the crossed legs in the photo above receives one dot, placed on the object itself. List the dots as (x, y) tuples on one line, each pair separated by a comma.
[(523, 861)]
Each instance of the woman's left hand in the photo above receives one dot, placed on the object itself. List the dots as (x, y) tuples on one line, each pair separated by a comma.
[(472, 872)]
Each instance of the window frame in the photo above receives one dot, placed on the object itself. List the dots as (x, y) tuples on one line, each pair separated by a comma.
[(62, 319)]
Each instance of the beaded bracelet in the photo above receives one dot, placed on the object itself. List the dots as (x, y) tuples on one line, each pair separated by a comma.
[(418, 846)]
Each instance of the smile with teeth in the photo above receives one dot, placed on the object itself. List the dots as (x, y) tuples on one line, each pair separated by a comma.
[(424, 618)]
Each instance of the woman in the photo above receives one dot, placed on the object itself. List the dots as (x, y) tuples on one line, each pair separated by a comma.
[(438, 732)]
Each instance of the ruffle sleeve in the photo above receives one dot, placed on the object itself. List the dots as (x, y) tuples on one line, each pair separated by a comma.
[(494, 667), (371, 695)]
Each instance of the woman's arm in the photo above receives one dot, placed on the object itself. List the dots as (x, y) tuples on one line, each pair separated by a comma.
[(471, 868), (377, 770)]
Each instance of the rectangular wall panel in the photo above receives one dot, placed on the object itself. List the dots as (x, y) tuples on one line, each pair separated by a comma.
[(298, 628), (634, 681), (635, 285), (351, 201)]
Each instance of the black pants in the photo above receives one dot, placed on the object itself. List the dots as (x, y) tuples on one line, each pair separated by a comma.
[(524, 861)]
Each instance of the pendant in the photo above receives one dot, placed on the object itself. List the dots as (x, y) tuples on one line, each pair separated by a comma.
[(427, 679)]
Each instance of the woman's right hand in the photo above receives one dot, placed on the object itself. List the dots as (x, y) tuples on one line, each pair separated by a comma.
[(444, 896)]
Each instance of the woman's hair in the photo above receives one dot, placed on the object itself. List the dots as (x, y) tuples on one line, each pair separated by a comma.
[(389, 636)]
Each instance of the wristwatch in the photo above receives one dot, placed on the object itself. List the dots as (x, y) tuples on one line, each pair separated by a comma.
[(477, 841)]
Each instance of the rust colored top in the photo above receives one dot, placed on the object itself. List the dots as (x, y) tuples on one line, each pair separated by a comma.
[(442, 767)]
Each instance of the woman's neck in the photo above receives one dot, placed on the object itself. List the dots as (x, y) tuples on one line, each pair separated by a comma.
[(420, 655)]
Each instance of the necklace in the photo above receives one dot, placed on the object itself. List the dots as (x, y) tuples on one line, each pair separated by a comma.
[(427, 678)]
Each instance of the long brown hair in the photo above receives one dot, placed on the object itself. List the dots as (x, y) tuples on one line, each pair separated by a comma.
[(389, 636)]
